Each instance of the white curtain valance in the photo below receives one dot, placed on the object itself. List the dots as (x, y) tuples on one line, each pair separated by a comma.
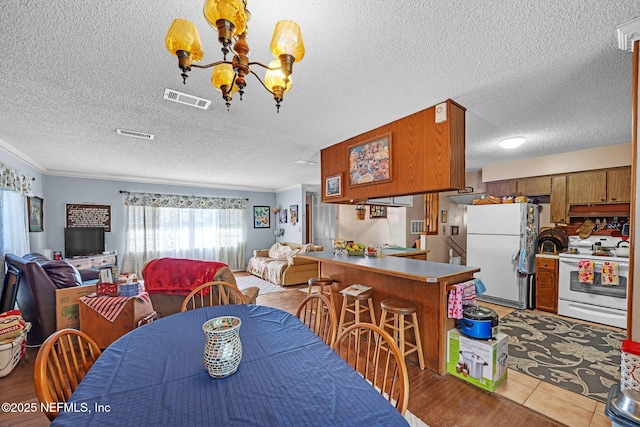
[(14, 180), (176, 201)]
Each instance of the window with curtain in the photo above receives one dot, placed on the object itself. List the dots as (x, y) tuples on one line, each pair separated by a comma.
[(204, 228), (14, 234)]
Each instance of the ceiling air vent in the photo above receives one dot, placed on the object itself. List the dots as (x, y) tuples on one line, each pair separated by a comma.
[(134, 134), (183, 98)]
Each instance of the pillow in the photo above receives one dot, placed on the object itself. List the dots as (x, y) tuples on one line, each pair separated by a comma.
[(309, 247), (62, 274), (282, 252)]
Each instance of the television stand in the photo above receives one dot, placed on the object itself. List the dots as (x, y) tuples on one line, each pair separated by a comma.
[(93, 261)]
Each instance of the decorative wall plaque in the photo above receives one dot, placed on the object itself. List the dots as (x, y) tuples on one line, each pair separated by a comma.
[(88, 216)]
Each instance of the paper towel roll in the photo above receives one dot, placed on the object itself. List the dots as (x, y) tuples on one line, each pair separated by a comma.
[(48, 253), (423, 241)]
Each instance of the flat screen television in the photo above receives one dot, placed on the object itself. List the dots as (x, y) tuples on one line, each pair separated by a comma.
[(81, 241)]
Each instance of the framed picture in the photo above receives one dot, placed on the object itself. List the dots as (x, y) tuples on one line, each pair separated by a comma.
[(333, 186), (282, 216), (370, 161), (377, 211), (293, 210), (34, 207), (261, 217), (454, 230)]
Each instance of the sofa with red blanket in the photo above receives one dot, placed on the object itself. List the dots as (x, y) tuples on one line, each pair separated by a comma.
[(169, 280)]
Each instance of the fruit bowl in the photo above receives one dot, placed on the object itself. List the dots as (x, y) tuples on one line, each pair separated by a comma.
[(355, 253)]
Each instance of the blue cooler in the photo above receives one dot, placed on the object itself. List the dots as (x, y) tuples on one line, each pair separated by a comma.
[(479, 323)]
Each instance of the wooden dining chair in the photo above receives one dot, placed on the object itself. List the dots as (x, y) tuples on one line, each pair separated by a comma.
[(383, 366), (62, 362), (213, 293), (317, 313)]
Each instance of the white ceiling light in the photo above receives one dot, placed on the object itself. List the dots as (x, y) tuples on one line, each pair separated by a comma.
[(510, 143)]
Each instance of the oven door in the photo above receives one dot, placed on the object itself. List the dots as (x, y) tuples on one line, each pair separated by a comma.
[(593, 313), (596, 294)]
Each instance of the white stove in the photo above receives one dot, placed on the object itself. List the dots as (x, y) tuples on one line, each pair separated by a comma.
[(584, 248), (593, 299)]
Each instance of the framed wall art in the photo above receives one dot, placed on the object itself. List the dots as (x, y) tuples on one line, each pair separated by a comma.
[(36, 214), (282, 216), (333, 186), (88, 216), (377, 211), (261, 217), (370, 161), (293, 210)]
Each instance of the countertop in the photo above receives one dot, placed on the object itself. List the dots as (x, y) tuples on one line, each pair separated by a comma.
[(393, 250), (427, 271), (546, 255)]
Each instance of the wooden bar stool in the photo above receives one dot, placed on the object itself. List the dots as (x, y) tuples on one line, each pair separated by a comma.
[(399, 325), (356, 305), (323, 285)]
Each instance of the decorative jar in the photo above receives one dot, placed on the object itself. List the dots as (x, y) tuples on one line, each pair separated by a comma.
[(223, 349)]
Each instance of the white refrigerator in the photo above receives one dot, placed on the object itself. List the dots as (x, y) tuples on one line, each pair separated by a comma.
[(501, 241)]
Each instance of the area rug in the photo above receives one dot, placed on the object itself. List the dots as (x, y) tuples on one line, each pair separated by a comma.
[(582, 358), (244, 282)]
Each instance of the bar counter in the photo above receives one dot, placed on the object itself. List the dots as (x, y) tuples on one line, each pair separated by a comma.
[(423, 282)]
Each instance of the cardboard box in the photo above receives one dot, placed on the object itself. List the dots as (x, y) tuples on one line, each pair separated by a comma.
[(481, 362), (67, 305), (104, 332)]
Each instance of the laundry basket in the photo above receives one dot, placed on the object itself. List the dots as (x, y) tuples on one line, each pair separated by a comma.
[(12, 352)]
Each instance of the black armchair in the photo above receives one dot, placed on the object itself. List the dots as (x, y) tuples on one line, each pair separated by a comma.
[(36, 297)]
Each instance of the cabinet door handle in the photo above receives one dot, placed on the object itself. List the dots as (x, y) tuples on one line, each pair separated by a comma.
[(613, 199)]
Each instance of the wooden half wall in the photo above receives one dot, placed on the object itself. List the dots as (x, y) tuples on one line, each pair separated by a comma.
[(425, 157)]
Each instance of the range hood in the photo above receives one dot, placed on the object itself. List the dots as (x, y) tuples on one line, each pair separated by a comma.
[(606, 210), (466, 198)]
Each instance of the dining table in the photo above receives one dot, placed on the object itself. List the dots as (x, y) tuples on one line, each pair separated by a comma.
[(155, 376)]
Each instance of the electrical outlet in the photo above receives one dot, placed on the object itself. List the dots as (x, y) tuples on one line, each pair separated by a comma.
[(444, 229)]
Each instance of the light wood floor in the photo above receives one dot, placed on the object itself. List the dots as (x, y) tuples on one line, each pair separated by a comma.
[(438, 401)]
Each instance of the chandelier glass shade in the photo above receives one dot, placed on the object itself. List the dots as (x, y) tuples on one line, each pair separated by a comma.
[(229, 18)]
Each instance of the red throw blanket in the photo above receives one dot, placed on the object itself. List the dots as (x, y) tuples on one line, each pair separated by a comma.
[(178, 276)]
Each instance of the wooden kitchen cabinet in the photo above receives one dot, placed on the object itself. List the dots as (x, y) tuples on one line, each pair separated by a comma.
[(501, 188), (619, 185), (587, 187), (558, 200), (547, 284), (536, 186), (426, 155), (603, 186)]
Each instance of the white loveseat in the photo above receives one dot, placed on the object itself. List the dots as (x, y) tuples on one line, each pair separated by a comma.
[(279, 264)]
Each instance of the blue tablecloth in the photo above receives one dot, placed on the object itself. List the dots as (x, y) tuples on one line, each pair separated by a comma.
[(155, 375)]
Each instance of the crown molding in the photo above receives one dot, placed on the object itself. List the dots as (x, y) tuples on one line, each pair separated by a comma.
[(627, 33)]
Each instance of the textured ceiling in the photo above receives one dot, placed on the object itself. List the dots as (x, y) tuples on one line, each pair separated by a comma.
[(73, 72)]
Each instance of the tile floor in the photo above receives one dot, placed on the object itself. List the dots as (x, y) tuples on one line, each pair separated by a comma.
[(557, 403)]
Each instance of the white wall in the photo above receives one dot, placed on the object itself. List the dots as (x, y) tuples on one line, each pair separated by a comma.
[(390, 230), (37, 241), (610, 156), (62, 190), (635, 303), (286, 198)]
